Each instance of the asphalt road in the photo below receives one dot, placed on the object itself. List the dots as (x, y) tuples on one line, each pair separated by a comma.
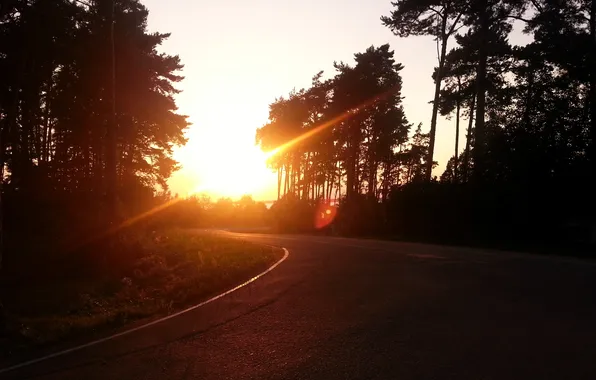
[(360, 309)]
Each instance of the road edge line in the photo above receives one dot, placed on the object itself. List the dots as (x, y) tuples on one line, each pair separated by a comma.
[(126, 332)]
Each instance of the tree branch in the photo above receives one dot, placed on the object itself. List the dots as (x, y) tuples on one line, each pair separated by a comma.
[(438, 54), (436, 11), (82, 2), (519, 18), (451, 30), (537, 6)]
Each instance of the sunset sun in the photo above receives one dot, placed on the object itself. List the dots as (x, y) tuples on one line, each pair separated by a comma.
[(223, 164), (239, 170)]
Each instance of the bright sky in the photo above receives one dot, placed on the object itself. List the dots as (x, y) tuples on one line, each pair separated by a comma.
[(240, 55)]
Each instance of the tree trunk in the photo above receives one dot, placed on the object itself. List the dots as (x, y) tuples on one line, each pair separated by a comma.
[(330, 182), (286, 179), (314, 184), (435, 111), (371, 179), (384, 185), (290, 174), (2, 161), (111, 155), (457, 114), (592, 147), (279, 172), (479, 130), (290, 179), (46, 124), (1, 212), (295, 177), (350, 173), (593, 88), (47, 141), (468, 142)]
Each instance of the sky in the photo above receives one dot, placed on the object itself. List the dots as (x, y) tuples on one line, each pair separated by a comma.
[(240, 55)]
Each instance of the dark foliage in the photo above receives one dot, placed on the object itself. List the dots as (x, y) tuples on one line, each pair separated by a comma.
[(524, 176), (59, 128)]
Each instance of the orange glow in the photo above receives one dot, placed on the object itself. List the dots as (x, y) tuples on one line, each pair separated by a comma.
[(238, 171), (126, 223), (224, 163), (133, 220), (324, 215)]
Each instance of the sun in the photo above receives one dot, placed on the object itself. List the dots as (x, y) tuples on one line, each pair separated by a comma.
[(227, 165), (235, 173)]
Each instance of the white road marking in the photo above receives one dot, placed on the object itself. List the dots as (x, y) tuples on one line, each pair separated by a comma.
[(126, 332)]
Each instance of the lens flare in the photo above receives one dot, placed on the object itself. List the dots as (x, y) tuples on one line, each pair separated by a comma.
[(324, 215)]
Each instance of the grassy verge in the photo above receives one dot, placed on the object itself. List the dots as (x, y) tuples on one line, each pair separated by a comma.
[(169, 270)]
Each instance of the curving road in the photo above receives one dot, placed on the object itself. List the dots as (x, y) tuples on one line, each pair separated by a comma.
[(362, 309)]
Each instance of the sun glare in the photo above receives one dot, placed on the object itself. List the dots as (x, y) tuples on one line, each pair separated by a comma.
[(229, 166), (235, 173)]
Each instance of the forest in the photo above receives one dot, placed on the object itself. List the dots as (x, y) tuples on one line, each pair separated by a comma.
[(77, 128), (88, 123), (523, 176)]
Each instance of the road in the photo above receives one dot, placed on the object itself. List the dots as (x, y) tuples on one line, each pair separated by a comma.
[(361, 309)]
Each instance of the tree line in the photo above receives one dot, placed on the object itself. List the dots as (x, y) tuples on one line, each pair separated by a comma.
[(86, 110), (204, 212), (529, 114), (347, 134)]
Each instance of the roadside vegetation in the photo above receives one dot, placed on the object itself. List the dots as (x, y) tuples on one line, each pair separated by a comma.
[(152, 274)]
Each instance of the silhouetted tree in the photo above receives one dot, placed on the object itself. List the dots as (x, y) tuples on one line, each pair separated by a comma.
[(529, 138), (56, 105), (346, 127), (461, 82), (437, 18), (489, 22)]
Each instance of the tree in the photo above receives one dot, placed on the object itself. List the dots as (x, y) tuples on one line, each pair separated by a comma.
[(345, 127), (489, 22), (417, 154), (437, 18), (461, 87), (371, 92), (566, 33), (106, 10), (55, 106)]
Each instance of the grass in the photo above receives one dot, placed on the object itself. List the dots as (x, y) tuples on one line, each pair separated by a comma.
[(168, 271)]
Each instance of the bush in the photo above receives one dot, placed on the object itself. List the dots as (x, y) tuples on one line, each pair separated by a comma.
[(500, 214), (293, 215), (360, 216)]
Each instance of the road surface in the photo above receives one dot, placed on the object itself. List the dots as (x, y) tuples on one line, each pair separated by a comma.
[(361, 309)]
